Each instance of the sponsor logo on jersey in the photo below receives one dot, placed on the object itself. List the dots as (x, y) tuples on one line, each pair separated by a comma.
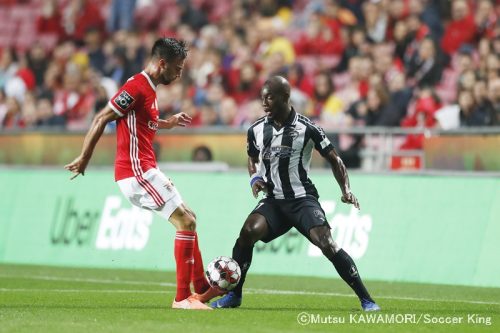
[(124, 100), (278, 151), (153, 125)]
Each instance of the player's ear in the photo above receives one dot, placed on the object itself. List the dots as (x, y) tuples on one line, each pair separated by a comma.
[(162, 64)]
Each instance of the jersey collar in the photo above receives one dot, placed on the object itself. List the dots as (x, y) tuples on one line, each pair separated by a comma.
[(290, 121), (149, 80)]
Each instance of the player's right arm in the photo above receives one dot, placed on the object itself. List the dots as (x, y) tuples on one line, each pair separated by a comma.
[(256, 179), (99, 122)]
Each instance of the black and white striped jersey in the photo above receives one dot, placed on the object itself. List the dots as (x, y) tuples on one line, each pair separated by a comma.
[(285, 154)]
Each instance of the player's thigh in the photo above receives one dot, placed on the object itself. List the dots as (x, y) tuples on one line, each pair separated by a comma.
[(305, 214), (276, 223), (171, 200), (152, 190)]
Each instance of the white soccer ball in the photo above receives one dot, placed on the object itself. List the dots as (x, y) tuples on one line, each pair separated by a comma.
[(223, 273)]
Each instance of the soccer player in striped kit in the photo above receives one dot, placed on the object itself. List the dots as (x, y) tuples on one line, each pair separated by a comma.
[(279, 148), (135, 109)]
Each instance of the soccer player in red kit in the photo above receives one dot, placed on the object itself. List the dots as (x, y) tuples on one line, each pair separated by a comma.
[(135, 109)]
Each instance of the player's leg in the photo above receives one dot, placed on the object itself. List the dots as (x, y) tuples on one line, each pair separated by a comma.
[(265, 223), (185, 244), (321, 237), (153, 191), (200, 283), (308, 218), (255, 228)]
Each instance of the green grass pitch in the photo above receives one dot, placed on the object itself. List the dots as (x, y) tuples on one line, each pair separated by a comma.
[(49, 299)]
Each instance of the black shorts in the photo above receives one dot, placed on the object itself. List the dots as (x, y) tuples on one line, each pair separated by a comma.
[(283, 214)]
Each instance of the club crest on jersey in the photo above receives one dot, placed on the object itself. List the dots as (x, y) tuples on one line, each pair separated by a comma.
[(124, 100), (294, 134), (153, 125)]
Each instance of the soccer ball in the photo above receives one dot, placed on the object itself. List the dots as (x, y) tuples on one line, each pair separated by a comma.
[(223, 273)]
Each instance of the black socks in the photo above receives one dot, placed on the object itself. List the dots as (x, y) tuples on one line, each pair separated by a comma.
[(347, 270), (243, 256)]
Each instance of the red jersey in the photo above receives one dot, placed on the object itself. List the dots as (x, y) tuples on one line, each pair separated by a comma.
[(136, 103)]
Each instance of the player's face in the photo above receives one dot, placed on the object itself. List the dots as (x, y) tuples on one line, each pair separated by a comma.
[(171, 71), (272, 103)]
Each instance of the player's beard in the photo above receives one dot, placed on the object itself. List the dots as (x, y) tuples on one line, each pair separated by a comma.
[(166, 81)]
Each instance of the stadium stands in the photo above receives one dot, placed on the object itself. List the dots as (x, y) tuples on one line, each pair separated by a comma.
[(59, 63)]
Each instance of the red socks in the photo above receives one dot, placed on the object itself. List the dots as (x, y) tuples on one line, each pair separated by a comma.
[(183, 251), (198, 273)]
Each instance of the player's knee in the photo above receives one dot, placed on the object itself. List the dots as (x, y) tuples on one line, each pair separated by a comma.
[(251, 232), (187, 222), (325, 242)]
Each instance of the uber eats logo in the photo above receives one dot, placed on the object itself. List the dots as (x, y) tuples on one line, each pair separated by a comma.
[(113, 227), (350, 231)]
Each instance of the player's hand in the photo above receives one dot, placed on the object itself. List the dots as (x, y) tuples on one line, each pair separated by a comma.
[(78, 166), (181, 120), (350, 198), (257, 187)]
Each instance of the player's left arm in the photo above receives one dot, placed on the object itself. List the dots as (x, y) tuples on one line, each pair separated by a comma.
[(181, 119), (340, 172), (326, 149)]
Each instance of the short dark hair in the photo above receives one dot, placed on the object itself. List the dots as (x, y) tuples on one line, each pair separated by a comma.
[(169, 49)]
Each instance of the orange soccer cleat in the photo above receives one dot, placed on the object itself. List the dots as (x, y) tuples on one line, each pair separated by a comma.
[(208, 295), (190, 303)]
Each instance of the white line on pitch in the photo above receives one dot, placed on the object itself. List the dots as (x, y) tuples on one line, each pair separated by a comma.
[(118, 291), (250, 290), (403, 298), (105, 281)]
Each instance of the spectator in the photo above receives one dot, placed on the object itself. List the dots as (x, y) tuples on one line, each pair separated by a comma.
[(425, 68), (49, 21), (38, 64), (94, 49), (243, 83), (461, 29), (376, 21), (324, 99), (493, 102), (485, 19), (469, 115), (201, 154), (320, 38), (80, 16), (121, 15), (377, 102), (191, 16), (357, 45)]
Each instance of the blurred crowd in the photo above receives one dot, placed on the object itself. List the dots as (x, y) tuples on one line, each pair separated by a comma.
[(410, 63)]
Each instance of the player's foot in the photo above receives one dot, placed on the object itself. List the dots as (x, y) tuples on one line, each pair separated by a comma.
[(208, 295), (190, 303), (228, 301), (369, 305)]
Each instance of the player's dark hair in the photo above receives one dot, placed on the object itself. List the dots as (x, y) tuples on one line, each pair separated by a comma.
[(169, 49)]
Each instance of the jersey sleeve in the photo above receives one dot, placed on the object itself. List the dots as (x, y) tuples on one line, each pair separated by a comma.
[(321, 142), (125, 99), (252, 148)]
